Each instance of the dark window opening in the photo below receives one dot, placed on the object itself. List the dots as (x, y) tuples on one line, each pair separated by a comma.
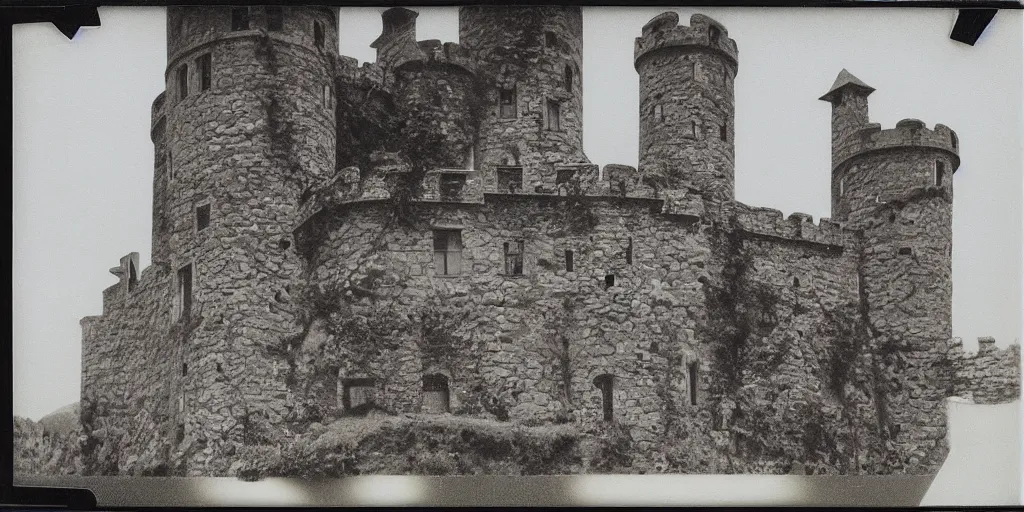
[(564, 176), (507, 103), (451, 186), (183, 82), (275, 17), (568, 261), (284, 244), (554, 117), (693, 129), (550, 39), (606, 384), (654, 346), (510, 179), (714, 35), (435, 394), (240, 18), (905, 251), (609, 281), (202, 217), (629, 252), (133, 276), (514, 258), (185, 292), (447, 252), (220, 368), (693, 383), (953, 140), (184, 369), (568, 78), (796, 282), (170, 167), (723, 132), (358, 396), (180, 435), (205, 71), (940, 172), (318, 34)]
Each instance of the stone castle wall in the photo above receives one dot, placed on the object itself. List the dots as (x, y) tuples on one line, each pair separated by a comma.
[(990, 375)]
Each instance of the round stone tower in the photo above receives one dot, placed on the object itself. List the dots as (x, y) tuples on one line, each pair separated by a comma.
[(531, 96), (687, 105), (246, 126), (896, 187)]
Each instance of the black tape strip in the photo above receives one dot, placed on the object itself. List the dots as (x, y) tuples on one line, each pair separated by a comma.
[(970, 24), (67, 19)]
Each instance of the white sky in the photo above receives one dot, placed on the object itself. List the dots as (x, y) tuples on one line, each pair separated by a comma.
[(83, 161)]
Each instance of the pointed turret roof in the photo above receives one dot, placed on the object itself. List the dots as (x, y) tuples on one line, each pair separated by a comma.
[(846, 79)]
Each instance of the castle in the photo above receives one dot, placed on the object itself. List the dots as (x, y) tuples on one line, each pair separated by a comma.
[(424, 235)]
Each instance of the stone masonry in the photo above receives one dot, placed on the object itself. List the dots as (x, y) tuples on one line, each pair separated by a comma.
[(424, 234)]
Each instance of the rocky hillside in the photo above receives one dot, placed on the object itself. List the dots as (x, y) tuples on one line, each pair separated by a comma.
[(46, 449)]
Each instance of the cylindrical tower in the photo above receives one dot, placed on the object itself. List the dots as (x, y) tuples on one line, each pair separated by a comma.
[(531, 102), (895, 187), (687, 105), (248, 121)]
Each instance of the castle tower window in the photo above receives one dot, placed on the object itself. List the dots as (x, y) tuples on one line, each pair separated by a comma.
[(568, 261), (318, 34), (659, 113), (514, 258), (183, 82), (326, 94), (240, 18), (170, 167), (470, 158), (609, 281), (905, 251), (181, 408), (452, 185), (691, 130), (510, 179), (568, 78), (184, 369), (723, 132), (940, 172), (507, 103), (275, 17), (435, 394), (564, 176), (842, 186), (205, 65), (796, 282), (606, 384), (550, 39), (202, 217), (714, 35), (953, 140), (692, 373), (554, 117), (357, 396), (447, 252), (184, 298), (629, 252)]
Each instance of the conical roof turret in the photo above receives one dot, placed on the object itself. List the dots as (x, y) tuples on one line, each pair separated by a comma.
[(844, 80)]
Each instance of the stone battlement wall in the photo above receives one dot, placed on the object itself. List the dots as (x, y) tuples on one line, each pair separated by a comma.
[(989, 376), (798, 226), (907, 133), (664, 31)]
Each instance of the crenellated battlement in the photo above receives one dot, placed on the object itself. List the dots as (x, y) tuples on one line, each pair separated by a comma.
[(797, 226), (348, 70), (664, 31), (908, 133), (989, 376)]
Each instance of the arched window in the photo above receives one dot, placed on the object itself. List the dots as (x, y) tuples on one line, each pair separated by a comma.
[(953, 140), (568, 78), (435, 394), (606, 383), (318, 34)]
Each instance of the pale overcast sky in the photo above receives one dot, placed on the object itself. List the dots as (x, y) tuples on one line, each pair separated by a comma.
[(83, 161)]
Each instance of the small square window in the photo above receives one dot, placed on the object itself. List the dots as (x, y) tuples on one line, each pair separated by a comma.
[(507, 103), (275, 17), (514, 258), (451, 186), (202, 217), (240, 18), (510, 180), (609, 281), (447, 252), (564, 176), (554, 117)]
